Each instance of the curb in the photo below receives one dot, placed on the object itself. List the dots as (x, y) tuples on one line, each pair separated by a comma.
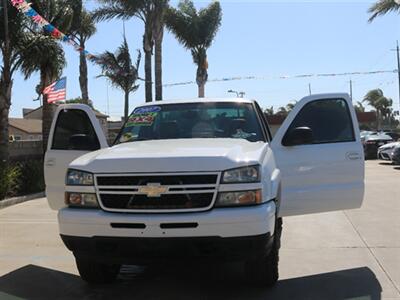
[(13, 201)]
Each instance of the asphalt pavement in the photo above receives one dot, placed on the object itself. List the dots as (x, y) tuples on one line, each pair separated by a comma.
[(341, 255)]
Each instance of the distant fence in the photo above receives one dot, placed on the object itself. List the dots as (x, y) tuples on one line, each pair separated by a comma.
[(22, 150)]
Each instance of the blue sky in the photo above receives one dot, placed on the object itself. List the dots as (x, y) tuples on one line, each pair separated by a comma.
[(257, 38)]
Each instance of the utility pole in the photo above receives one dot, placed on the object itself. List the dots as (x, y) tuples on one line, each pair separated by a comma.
[(309, 88), (398, 68)]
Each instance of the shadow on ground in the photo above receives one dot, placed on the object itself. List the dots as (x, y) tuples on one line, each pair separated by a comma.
[(187, 282)]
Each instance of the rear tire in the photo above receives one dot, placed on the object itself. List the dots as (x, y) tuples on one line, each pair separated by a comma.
[(264, 271), (96, 273)]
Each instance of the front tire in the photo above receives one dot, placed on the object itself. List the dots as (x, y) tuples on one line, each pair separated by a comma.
[(264, 271), (97, 273)]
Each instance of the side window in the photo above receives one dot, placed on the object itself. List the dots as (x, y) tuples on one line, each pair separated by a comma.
[(74, 131), (329, 120)]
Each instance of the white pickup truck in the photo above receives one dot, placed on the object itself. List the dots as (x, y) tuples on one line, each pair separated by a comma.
[(198, 179)]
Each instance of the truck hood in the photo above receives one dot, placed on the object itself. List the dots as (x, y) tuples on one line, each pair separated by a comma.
[(183, 155)]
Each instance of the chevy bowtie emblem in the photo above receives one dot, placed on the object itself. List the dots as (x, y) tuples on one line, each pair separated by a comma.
[(153, 190)]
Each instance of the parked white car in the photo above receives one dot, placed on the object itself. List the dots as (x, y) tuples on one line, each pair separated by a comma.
[(198, 178), (387, 151)]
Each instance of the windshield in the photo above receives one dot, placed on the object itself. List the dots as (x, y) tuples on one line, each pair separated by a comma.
[(192, 120)]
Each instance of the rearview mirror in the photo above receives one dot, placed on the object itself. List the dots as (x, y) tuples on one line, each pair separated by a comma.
[(298, 136), (82, 142)]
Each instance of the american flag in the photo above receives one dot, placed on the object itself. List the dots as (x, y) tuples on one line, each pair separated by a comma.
[(57, 91)]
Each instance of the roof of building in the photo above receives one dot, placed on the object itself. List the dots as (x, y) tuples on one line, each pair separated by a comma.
[(27, 125)]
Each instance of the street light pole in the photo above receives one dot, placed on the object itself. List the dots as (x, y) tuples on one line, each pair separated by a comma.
[(238, 94), (398, 68)]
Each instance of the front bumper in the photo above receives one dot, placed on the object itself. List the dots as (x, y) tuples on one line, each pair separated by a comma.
[(220, 222), (126, 250), (231, 233)]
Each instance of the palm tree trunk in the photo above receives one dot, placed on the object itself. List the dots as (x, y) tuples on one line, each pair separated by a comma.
[(201, 79), (47, 116), (4, 134), (202, 90), (5, 88), (126, 111), (148, 51), (83, 76), (148, 76), (158, 68)]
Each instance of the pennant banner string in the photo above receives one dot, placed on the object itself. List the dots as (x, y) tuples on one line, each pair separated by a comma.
[(25, 8)]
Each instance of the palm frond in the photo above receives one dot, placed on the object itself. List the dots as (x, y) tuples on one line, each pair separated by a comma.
[(382, 7)]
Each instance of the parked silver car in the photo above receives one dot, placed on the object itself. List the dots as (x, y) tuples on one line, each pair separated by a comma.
[(387, 151)]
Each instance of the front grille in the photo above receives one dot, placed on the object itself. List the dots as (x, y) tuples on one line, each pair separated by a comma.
[(180, 192), (167, 201), (163, 180)]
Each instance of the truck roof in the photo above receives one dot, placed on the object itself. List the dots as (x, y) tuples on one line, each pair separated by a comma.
[(196, 100)]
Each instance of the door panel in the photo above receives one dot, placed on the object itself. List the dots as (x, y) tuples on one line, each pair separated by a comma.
[(75, 131), (327, 173)]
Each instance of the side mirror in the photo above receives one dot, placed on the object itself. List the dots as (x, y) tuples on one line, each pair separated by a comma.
[(298, 136), (82, 142)]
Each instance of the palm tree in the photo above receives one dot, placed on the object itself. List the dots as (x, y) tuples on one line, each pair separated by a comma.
[(11, 42), (269, 111), (195, 30), (84, 28), (382, 104), (120, 71), (382, 7), (151, 12), (47, 55), (359, 107)]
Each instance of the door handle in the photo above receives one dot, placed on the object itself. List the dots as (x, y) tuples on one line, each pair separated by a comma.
[(50, 162), (353, 155)]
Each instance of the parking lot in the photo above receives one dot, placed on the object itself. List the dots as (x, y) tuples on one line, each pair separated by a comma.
[(340, 255)]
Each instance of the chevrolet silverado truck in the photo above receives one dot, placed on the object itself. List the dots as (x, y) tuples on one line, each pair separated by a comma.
[(198, 179)]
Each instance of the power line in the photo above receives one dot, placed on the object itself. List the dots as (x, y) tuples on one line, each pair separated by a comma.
[(316, 75)]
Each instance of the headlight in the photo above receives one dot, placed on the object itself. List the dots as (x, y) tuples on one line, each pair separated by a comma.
[(75, 177), (81, 200), (242, 175), (242, 198)]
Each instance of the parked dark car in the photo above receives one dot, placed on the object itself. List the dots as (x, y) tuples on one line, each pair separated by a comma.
[(373, 142)]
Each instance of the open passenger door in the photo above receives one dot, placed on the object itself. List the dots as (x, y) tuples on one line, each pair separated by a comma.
[(75, 131), (319, 153)]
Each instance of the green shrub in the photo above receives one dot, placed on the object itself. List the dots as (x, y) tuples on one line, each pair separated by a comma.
[(9, 180), (31, 179)]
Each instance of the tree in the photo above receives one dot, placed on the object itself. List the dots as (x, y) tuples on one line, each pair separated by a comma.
[(382, 7), (151, 12), (359, 107), (84, 28), (269, 111), (382, 105), (196, 31), (12, 40), (46, 54), (120, 71)]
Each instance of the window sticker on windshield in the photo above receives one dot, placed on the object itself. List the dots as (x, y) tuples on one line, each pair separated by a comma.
[(141, 119), (240, 134), (147, 109)]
